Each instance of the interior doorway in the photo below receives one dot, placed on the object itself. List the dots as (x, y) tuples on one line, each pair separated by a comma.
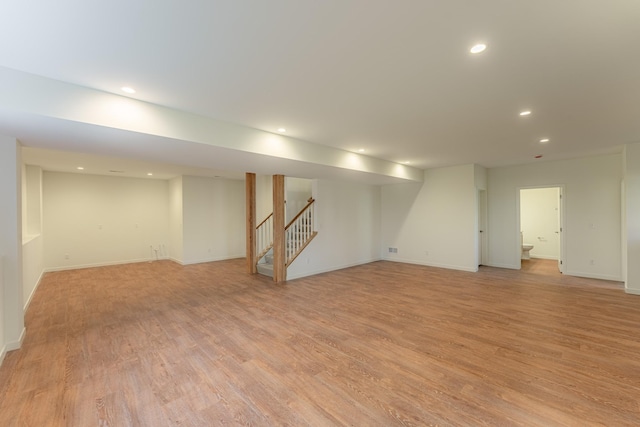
[(541, 224), (481, 230)]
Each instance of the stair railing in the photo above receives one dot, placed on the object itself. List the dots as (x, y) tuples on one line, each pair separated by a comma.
[(299, 232), (264, 236)]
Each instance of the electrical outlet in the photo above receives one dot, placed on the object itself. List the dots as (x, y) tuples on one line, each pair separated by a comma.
[(591, 262), (426, 253)]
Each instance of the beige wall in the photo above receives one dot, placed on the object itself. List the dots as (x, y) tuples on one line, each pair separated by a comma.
[(435, 222), (175, 220), (11, 295), (591, 208), (213, 219), (347, 217), (99, 220)]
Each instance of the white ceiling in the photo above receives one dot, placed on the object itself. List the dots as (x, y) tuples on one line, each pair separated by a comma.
[(395, 78)]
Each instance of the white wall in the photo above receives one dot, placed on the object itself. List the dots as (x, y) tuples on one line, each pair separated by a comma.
[(101, 220), (32, 268), (435, 222), (539, 221), (11, 297), (348, 224), (175, 220), (3, 343), (297, 192), (32, 239), (264, 197), (592, 216), (631, 230), (213, 219)]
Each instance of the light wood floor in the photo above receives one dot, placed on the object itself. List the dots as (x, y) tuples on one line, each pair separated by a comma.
[(158, 344)]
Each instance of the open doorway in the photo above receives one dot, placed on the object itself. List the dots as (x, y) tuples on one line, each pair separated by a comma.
[(481, 228), (541, 225)]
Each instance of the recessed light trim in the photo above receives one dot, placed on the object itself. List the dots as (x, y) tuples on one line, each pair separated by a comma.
[(360, 150), (478, 48), (544, 140), (128, 89), (80, 168), (149, 174), (282, 130), (525, 112)]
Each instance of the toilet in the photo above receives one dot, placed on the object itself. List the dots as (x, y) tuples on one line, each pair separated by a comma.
[(525, 248)]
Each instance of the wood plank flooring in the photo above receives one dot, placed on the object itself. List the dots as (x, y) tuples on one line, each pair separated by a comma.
[(383, 344)]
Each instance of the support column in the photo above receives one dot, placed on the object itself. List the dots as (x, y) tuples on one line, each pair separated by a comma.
[(279, 260), (250, 181)]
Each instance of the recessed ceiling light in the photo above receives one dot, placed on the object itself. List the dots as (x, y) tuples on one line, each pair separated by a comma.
[(405, 163), (282, 130), (80, 168), (480, 47), (149, 174), (544, 140), (525, 112), (128, 89), (361, 150)]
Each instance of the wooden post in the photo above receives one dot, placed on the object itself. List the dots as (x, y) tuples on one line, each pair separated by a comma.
[(279, 256), (250, 192)]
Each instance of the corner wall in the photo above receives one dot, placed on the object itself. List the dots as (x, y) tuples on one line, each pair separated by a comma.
[(347, 218), (631, 230), (592, 213), (213, 219), (175, 220), (92, 220), (11, 297), (32, 239), (435, 222)]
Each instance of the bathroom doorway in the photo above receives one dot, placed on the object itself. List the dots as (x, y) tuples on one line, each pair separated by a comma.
[(540, 224)]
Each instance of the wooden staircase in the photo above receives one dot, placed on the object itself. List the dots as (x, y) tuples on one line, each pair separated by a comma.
[(298, 234)]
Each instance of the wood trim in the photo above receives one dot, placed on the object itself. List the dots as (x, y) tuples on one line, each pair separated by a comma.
[(279, 256), (314, 234), (264, 220), (300, 213), (250, 193)]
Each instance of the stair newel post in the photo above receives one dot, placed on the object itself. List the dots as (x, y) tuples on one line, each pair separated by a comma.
[(279, 245), (250, 193)]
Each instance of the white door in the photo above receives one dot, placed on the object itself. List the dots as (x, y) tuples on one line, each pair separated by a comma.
[(560, 236)]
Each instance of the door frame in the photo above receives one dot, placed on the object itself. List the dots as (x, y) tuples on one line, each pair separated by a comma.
[(561, 231), (482, 246)]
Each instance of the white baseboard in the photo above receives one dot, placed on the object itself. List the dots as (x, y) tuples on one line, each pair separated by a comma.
[(26, 305), (593, 276), (328, 269), (102, 264), (3, 353), (201, 261), (498, 265), (555, 258), (632, 291), (13, 345), (434, 264)]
